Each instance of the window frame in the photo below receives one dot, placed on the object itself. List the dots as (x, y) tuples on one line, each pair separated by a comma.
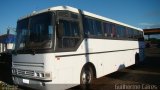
[(93, 20), (112, 25), (44, 50), (69, 19)]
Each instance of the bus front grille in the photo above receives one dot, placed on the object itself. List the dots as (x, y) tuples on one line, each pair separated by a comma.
[(20, 72)]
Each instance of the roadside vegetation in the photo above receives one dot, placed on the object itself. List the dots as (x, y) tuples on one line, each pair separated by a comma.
[(5, 86)]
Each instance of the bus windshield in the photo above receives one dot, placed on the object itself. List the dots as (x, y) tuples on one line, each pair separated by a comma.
[(35, 32)]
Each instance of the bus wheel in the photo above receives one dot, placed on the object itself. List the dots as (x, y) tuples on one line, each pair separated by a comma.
[(86, 78)]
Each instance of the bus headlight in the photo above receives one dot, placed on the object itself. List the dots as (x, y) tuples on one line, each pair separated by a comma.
[(42, 75), (14, 71), (47, 75), (37, 74)]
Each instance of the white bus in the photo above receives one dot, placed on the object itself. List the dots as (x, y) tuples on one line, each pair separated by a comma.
[(62, 46)]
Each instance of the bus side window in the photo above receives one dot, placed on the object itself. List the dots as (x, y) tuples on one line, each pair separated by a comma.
[(107, 29), (86, 27), (60, 30), (120, 31), (92, 27), (114, 31), (68, 34), (98, 27), (130, 33)]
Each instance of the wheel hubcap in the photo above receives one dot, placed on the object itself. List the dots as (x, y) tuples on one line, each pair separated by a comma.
[(86, 77)]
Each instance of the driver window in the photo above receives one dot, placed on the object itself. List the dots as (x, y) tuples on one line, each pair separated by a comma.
[(68, 34)]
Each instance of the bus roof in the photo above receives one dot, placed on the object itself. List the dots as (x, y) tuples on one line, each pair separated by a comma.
[(68, 8)]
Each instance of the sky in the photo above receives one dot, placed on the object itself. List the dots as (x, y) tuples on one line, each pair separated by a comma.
[(139, 13)]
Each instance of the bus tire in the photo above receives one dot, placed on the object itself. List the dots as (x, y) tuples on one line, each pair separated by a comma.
[(86, 77)]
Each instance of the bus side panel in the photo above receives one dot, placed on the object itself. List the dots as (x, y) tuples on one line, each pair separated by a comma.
[(111, 55), (106, 55), (68, 69)]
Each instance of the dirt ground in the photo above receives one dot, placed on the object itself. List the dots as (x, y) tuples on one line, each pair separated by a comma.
[(145, 75)]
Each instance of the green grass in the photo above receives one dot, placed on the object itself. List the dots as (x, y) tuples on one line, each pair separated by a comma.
[(4, 86)]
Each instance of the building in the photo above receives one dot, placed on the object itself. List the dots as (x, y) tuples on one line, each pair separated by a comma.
[(7, 43), (152, 31)]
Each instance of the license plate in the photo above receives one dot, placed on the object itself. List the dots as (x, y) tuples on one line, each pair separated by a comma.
[(26, 81)]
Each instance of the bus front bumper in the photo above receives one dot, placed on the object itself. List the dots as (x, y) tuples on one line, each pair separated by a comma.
[(31, 83), (39, 84)]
